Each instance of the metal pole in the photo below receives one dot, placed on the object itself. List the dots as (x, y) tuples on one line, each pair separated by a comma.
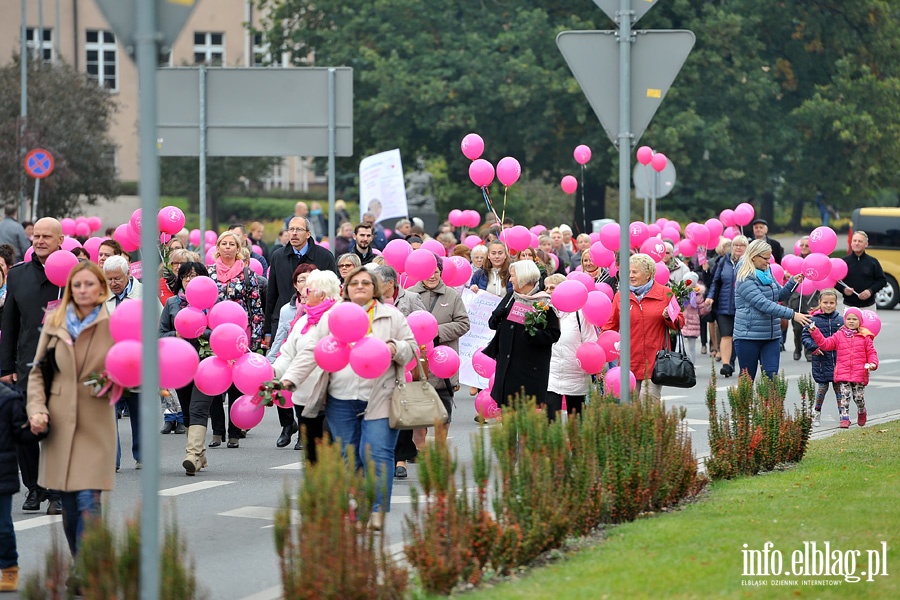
[(39, 37), (147, 51), (34, 203), (655, 192), (23, 109), (646, 210), (56, 35), (203, 163), (624, 17), (332, 76)]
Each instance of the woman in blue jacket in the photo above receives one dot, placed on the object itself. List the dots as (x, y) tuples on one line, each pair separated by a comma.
[(757, 315), (721, 294)]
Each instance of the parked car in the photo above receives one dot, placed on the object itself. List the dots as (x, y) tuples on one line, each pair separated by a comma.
[(882, 225)]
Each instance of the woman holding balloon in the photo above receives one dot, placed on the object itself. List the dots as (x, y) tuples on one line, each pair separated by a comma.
[(358, 395)]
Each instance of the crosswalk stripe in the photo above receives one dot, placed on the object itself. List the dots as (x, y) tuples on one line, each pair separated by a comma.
[(192, 487), (296, 466), (36, 522)]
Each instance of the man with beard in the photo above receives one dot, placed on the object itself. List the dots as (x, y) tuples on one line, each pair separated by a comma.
[(362, 245)]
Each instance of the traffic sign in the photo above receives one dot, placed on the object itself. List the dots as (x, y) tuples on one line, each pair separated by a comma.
[(644, 176), (656, 59), (38, 163), (638, 7), (171, 16)]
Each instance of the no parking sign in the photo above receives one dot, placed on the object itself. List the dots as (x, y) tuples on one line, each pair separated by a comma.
[(38, 164)]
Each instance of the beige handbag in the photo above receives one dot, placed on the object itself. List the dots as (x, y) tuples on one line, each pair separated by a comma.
[(415, 404)]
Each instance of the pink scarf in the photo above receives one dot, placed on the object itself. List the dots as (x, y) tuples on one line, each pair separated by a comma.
[(225, 274), (314, 313)]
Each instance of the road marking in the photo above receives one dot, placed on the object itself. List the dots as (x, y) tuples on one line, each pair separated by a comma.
[(695, 421), (265, 513), (273, 593), (192, 487), (36, 522), (290, 467)]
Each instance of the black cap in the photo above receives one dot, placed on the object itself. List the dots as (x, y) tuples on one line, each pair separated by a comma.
[(762, 221)]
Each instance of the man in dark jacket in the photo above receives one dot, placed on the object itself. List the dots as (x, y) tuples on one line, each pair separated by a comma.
[(361, 246), (29, 294), (761, 232), (14, 430), (865, 277)]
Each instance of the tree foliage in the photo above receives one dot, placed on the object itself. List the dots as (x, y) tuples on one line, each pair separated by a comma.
[(69, 115), (778, 99)]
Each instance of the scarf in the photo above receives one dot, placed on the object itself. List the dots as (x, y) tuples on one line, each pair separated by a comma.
[(641, 290), (225, 274), (76, 325), (533, 296), (765, 277), (3, 295), (370, 310), (314, 313), (182, 299), (301, 310)]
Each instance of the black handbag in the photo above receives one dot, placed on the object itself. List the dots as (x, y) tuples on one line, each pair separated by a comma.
[(673, 367), (48, 368)]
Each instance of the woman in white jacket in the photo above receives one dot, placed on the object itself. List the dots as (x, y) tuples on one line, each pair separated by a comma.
[(566, 377)]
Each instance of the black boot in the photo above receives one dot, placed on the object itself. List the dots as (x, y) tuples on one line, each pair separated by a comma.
[(180, 428), (168, 427), (286, 432), (33, 499)]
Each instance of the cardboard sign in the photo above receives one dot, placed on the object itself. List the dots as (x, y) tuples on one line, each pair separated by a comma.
[(479, 307), (674, 309), (137, 270), (518, 311), (51, 306)]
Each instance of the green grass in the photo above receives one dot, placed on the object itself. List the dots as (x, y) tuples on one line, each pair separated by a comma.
[(844, 492)]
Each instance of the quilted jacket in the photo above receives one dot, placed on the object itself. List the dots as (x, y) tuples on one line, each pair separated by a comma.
[(823, 366), (721, 290), (757, 314), (854, 350)]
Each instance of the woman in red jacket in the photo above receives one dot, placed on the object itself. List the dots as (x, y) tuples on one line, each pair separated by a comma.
[(650, 322)]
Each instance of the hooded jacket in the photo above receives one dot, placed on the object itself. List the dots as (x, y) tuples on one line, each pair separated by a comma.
[(854, 350), (823, 365)]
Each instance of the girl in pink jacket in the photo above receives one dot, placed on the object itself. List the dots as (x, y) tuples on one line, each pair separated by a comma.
[(856, 356)]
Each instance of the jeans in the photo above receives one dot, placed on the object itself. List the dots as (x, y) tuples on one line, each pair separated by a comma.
[(375, 437), (752, 353), (8, 555), (134, 412), (77, 508)]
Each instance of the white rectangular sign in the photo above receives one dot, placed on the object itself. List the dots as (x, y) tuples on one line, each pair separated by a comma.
[(382, 187), (479, 307)]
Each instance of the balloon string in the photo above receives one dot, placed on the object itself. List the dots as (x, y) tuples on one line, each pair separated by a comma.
[(490, 205), (583, 214), (503, 214)]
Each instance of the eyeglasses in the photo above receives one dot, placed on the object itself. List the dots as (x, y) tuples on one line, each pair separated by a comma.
[(189, 277), (297, 229), (345, 266), (176, 264), (359, 283)]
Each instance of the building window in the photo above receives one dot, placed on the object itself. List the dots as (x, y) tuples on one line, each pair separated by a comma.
[(102, 58), (34, 48), (261, 54), (209, 48)]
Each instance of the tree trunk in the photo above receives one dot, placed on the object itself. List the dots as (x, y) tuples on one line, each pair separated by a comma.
[(595, 202), (795, 223), (767, 210)]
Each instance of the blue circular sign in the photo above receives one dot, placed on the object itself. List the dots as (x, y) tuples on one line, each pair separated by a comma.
[(38, 163)]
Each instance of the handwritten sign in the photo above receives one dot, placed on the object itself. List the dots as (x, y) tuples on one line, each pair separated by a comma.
[(137, 270), (479, 308)]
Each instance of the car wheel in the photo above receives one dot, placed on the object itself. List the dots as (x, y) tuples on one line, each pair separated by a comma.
[(888, 297)]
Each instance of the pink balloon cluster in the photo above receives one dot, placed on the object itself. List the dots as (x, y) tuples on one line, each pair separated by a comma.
[(464, 218)]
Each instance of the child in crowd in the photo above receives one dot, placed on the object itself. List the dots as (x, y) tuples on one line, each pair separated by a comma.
[(694, 308), (828, 320), (855, 358)]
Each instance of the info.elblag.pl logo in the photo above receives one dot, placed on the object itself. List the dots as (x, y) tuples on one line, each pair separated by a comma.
[(811, 563)]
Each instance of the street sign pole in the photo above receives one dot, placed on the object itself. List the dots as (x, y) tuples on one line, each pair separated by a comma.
[(147, 41), (203, 163), (623, 16), (332, 143), (34, 202), (23, 108)]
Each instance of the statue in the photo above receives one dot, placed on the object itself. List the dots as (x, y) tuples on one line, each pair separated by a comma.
[(420, 190)]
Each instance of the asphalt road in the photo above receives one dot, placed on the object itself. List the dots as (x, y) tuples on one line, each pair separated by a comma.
[(226, 512)]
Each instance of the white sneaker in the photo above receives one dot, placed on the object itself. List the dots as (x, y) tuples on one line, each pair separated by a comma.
[(817, 418)]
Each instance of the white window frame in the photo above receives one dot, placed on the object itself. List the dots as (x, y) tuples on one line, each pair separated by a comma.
[(34, 48), (208, 49), (101, 46)]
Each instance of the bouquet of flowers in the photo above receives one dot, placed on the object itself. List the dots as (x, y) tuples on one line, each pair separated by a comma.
[(682, 290), (537, 318), (272, 393), (101, 384)]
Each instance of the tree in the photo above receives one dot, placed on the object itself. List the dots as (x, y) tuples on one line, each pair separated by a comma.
[(69, 115)]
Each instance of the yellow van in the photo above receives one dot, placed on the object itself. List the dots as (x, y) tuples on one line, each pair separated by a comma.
[(882, 225)]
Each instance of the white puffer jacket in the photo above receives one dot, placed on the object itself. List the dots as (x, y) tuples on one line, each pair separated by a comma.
[(566, 377)]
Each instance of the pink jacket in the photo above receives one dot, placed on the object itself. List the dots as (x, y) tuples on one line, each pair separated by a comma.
[(854, 350)]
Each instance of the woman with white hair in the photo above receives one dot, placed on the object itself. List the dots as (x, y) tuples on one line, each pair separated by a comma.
[(522, 352)]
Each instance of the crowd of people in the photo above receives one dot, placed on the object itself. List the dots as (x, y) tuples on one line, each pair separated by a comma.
[(54, 338)]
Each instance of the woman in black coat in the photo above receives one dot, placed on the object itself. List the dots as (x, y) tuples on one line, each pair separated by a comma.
[(523, 357)]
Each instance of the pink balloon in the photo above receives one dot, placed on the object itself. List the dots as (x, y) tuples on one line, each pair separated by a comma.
[(420, 264), (826, 283), (448, 275), (823, 239), (743, 214), (436, 248), (123, 236), (95, 223), (797, 248), (582, 154), (228, 311), (816, 266), (136, 221), (246, 412), (348, 322), (472, 218), (396, 252), (471, 241), (194, 237), (211, 237), (638, 233), (727, 217), (644, 155), (486, 406), (662, 274), (178, 362), (423, 325), (191, 322), (472, 146), (669, 232), (484, 365), (698, 234), (481, 172), (28, 254), (331, 354), (597, 309), (586, 280), (202, 292), (659, 162), (82, 229), (609, 236), (687, 248), (463, 270), (569, 184), (92, 245), (518, 238), (443, 362), (601, 255), (125, 321), (730, 232), (792, 264), (256, 248), (613, 381), (508, 170), (68, 226), (609, 341), (170, 219), (370, 357), (123, 363), (838, 269), (871, 321), (455, 217), (655, 229), (70, 243), (654, 248), (283, 398), (251, 371), (777, 273), (210, 255), (715, 228), (569, 296), (229, 341), (807, 286), (58, 266), (590, 357), (256, 266)]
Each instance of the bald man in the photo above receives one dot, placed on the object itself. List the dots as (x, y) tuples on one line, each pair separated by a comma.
[(29, 294)]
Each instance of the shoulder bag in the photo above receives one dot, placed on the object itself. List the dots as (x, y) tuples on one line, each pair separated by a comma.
[(673, 367), (415, 404), (48, 368)]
